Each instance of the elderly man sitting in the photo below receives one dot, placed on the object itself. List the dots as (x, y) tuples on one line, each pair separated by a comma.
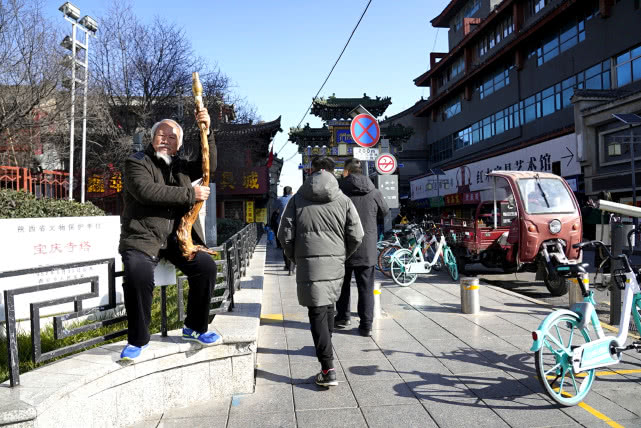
[(157, 192)]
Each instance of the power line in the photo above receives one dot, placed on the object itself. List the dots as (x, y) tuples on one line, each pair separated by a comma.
[(433, 47), (330, 71)]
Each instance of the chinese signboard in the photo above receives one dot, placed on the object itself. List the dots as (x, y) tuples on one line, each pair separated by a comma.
[(473, 176), (242, 181), (388, 185), (261, 215), (38, 242), (463, 198), (104, 183), (249, 211), (365, 154), (341, 135)]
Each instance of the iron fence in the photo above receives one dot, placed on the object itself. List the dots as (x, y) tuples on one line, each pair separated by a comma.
[(233, 258)]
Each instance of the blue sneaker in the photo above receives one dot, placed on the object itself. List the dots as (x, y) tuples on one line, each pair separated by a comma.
[(205, 339), (131, 352)]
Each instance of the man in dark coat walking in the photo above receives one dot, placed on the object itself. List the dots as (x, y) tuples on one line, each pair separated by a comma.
[(371, 209), (319, 229)]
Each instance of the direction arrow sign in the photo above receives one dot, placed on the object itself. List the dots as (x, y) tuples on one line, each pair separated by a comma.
[(386, 164), (365, 130)]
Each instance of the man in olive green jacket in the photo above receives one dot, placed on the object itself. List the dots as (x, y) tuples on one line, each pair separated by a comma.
[(157, 192), (319, 230)]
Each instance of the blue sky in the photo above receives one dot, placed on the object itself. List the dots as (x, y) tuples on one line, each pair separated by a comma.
[(278, 52)]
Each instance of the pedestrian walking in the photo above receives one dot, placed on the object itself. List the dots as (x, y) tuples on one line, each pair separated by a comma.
[(319, 230), (372, 210), (280, 209)]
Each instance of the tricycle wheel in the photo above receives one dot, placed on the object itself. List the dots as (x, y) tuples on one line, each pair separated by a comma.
[(556, 287)]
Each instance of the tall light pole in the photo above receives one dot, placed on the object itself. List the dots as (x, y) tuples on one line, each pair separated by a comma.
[(89, 26)]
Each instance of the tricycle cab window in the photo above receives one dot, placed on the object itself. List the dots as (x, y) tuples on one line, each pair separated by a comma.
[(545, 196), (499, 198)]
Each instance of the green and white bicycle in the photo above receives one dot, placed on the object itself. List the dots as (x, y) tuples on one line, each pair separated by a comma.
[(570, 345), (406, 265)]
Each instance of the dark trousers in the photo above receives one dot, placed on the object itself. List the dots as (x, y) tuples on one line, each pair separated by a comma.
[(285, 259), (365, 284), (138, 286), (321, 320)]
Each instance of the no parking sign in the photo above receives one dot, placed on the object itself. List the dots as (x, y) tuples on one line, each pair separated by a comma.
[(365, 130), (386, 164)]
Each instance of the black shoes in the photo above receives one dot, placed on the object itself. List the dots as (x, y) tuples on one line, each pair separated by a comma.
[(341, 323), (365, 332), (326, 379)]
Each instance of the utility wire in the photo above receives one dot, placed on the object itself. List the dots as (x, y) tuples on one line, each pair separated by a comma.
[(330, 72)]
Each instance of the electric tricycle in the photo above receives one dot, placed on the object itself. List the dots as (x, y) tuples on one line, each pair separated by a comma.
[(525, 222)]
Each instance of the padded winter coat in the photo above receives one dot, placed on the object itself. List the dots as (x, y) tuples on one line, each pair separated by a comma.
[(371, 208), (319, 229), (156, 196)]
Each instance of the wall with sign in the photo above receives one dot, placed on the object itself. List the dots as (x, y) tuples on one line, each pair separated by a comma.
[(242, 181), (249, 211), (388, 185), (37, 242), (472, 177)]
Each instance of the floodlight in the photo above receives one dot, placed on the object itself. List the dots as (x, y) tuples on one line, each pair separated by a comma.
[(89, 23), (70, 11), (67, 43)]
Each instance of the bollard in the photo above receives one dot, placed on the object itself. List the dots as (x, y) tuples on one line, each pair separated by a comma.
[(574, 292), (470, 302), (377, 300)]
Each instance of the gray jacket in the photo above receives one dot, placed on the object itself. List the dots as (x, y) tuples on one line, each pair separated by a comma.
[(319, 229)]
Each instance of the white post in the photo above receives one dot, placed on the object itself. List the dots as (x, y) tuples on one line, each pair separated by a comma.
[(73, 110), (84, 119)]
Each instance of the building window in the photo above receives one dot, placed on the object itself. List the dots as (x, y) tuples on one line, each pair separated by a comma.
[(495, 36), (628, 66), (616, 145), (494, 83), (535, 6), (567, 37), (470, 9), (452, 108)]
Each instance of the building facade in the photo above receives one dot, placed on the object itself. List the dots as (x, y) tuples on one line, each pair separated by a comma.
[(502, 97)]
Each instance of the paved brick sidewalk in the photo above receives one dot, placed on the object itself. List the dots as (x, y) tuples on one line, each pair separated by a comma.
[(426, 365)]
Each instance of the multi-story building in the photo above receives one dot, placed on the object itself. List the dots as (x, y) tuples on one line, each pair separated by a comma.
[(502, 97)]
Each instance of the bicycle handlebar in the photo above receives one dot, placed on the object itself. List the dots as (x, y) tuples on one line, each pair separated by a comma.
[(600, 244)]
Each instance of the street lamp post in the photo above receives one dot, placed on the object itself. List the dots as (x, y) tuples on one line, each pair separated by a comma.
[(89, 26)]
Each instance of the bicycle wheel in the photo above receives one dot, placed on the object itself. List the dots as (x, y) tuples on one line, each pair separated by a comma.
[(554, 361), (398, 266), (450, 262), (384, 257)]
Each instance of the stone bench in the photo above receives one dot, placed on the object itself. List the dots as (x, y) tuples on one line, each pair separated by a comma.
[(94, 388)]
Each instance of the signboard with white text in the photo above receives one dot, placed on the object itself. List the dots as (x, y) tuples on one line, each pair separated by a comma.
[(365, 154), (473, 176), (39, 242), (388, 185)]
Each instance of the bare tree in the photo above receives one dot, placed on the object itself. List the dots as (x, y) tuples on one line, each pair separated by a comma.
[(31, 108)]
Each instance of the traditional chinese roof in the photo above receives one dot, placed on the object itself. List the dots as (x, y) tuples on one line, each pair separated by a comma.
[(339, 108), (397, 133), (309, 136), (240, 131), (446, 14)]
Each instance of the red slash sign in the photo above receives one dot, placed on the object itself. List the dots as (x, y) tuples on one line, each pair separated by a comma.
[(365, 130), (386, 163)]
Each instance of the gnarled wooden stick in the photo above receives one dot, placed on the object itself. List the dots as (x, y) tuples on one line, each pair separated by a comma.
[(183, 233)]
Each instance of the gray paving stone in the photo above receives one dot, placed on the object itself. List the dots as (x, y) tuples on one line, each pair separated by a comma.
[(325, 418), (529, 411), (464, 362), (311, 396), (272, 356), (382, 393), (626, 396), (305, 354), (272, 374), (439, 387), (261, 420), (208, 409), (412, 415), (603, 405), (359, 370), (494, 384), (456, 412), (267, 398), (413, 367), (219, 422), (146, 424), (399, 348)]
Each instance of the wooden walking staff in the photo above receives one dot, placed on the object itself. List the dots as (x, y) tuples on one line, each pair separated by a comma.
[(183, 233)]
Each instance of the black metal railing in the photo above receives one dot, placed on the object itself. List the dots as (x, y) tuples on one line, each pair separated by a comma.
[(232, 261)]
